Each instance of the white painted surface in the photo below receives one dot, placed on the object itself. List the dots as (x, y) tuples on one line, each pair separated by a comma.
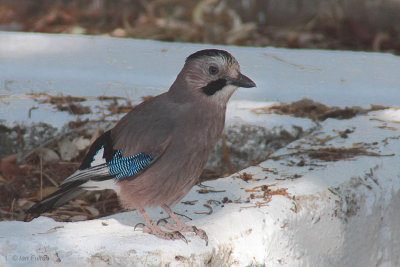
[(345, 213), (95, 66)]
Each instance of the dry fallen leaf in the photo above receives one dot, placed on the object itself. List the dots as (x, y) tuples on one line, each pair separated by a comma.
[(48, 155), (9, 169), (93, 211), (67, 149), (81, 143)]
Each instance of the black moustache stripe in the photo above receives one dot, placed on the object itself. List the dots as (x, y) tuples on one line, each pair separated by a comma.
[(214, 86)]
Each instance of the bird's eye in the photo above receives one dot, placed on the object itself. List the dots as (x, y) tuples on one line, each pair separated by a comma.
[(213, 70)]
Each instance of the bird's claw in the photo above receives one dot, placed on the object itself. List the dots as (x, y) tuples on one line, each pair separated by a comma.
[(143, 225), (181, 236), (187, 228), (162, 220), (155, 230), (201, 233)]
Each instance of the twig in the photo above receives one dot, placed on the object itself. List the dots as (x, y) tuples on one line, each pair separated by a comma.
[(209, 212), (71, 212), (50, 179), (343, 152), (12, 209), (205, 191), (189, 202), (183, 215), (52, 230)]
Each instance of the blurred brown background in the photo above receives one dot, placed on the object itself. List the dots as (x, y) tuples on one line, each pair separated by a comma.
[(368, 25)]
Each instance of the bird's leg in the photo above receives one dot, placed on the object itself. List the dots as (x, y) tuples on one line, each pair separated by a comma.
[(152, 228), (182, 226)]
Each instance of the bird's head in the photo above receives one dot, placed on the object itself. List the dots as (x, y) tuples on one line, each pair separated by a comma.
[(213, 75)]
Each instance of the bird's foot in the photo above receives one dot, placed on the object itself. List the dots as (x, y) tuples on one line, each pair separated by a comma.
[(182, 227), (155, 230)]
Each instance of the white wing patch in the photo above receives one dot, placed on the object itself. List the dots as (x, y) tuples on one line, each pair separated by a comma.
[(101, 185), (98, 158), (98, 168)]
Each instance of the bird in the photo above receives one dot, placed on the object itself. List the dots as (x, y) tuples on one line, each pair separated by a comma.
[(155, 154)]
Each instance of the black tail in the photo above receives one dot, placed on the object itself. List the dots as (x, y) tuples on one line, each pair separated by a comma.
[(60, 197)]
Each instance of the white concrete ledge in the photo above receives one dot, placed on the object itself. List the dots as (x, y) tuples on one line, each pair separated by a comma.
[(344, 213)]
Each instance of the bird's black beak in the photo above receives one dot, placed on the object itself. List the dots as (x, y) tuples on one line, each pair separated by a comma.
[(242, 81)]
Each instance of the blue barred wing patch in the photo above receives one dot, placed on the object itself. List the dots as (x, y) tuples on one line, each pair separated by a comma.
[(124, 167)]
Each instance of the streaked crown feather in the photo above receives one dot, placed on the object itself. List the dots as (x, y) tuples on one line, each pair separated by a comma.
[(211, 53)]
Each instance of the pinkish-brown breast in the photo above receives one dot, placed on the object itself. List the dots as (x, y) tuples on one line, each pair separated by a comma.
[(172, 176)]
